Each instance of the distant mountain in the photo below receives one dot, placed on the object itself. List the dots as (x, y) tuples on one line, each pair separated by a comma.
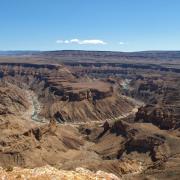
[(106, 56), (17, 53), (174, 54), (89, 55)]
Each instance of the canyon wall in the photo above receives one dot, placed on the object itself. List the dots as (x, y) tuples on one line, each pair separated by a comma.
[(65, 97)]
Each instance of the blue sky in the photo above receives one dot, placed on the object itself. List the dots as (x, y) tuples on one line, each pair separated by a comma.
[(118, 25)]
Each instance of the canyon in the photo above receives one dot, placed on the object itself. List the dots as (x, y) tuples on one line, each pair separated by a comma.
[(111, 115)]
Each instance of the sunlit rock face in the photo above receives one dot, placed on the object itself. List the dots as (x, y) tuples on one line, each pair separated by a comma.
[(64, 96), (49, 173)]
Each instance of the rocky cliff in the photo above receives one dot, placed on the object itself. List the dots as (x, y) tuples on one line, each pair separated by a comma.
[(63, 96), (162, 96)]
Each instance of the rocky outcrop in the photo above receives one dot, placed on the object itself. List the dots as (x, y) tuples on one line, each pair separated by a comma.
[(144, 143), (161, 117), (162, 95), (88, 94), (137, 139), (13, 99), (49, 173), (22, 148)]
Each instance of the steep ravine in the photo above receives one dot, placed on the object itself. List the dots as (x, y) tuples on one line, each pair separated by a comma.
[(35, 107)]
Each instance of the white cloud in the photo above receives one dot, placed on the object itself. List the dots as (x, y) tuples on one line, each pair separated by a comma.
[(92, 41), (74, 40), (82, 42), (66, 41), (59, 41), (122, 43)]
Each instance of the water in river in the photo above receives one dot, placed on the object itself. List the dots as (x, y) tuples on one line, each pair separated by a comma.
[(35, 108)]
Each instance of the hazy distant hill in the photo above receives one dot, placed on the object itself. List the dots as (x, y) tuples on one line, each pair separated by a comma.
[(144, 54), (98, 55), (17, 53)]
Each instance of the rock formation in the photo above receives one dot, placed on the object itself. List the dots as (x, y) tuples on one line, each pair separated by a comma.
[(65, 97), (99, 115), (49, 173)]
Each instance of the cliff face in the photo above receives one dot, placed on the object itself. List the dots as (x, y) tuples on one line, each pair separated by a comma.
[(161, 117), (62, 95), (153, 149), (22, 146), (57, 79), (131, 138), (12, 100), (162, 96)]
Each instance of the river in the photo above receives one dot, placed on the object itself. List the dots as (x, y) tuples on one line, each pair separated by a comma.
[(35, 107)]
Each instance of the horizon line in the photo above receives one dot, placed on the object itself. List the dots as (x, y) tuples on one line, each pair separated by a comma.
[(56, 50)]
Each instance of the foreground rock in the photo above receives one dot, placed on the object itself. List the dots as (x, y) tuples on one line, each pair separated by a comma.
[(49, 173)]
